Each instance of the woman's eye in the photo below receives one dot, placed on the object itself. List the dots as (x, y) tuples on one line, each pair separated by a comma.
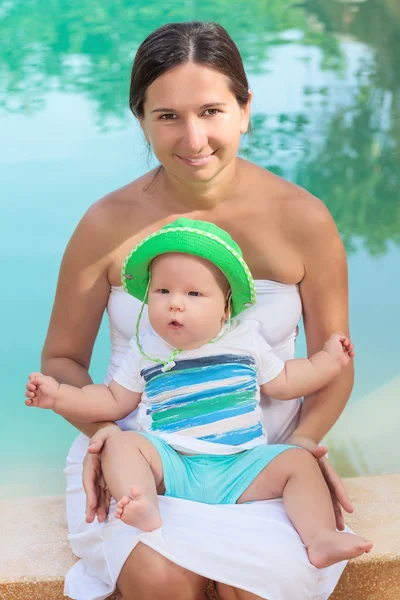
[(211, 111), (168, 117), (194, 294)]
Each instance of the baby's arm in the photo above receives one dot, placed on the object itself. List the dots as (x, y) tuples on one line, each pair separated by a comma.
[(95, 402), (302, 376)]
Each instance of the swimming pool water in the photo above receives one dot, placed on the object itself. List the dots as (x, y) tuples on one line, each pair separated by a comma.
[(326, 115)]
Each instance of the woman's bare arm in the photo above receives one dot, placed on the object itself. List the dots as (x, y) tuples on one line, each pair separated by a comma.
[(81, 298), (324, 294)]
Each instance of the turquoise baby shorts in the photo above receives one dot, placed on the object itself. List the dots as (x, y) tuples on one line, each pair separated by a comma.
[(212, 479)]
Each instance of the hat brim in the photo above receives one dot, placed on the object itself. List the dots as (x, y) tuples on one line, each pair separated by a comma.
[(135, 270)]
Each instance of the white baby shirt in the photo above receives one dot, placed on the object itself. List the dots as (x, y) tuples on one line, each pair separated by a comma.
[(209, 401)]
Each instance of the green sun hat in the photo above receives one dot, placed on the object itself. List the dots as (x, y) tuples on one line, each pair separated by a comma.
[(199, 238)]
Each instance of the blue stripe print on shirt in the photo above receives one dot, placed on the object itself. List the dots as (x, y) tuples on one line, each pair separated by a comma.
[(200, 362), (201, 419), (173, 380), (196, 395), (236, 437)]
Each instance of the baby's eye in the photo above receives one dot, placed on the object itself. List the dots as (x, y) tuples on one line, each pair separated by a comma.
[(163, 291), (194, 294)]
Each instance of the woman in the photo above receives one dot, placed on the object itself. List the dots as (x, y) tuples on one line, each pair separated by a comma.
[(191, 97)]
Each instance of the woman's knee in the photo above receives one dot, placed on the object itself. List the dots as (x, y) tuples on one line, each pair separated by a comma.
[(227, 592), (167, 581)]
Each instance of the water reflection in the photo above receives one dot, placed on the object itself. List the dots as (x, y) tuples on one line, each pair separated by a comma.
[(357, 167), (339, 137), (89, 47), (352, 158)]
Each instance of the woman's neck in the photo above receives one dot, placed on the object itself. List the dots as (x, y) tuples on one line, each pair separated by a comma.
[(202, 195)]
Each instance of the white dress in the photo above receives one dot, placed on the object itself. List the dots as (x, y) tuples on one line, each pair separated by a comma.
[(252, 546)]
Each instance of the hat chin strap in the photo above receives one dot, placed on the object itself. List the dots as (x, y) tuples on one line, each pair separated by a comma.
[(227, 323), (170, 362)]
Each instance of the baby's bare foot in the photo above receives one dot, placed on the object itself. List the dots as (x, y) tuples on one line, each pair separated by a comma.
[(330, 547), (139, 511), (119, 511)]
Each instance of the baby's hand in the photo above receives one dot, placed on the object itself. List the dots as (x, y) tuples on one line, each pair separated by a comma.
[(41, 391), (340, 347)]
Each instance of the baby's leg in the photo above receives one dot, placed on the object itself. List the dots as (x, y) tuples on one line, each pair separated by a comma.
[(296, 476), (133, 472)]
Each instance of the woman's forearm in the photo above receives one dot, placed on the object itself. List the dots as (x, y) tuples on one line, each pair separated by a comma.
[(321, 409), (66, 370)]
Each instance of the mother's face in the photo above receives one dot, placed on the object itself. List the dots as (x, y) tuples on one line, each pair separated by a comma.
[(193, 122)]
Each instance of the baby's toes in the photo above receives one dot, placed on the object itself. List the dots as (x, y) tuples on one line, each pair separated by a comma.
[(121, 505), (124, 501)]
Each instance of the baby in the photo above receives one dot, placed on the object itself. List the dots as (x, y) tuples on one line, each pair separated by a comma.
[(195, 377)]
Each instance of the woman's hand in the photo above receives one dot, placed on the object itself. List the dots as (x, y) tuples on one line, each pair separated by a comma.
[(339, 496), (97, 494)]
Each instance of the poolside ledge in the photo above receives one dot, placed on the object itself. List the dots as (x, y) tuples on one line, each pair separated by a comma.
[(35, 556)]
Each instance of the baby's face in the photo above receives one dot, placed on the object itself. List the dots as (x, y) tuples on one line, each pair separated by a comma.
[(187, 300)]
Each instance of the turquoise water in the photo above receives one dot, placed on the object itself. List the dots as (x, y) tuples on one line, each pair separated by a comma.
[(326, 115)]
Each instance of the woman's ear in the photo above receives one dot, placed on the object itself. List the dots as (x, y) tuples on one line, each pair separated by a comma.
[(245, 116), (143, 127)]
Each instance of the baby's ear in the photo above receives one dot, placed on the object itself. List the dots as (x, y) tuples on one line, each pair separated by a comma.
[(228, 305)]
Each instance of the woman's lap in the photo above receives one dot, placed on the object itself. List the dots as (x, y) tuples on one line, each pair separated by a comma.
[(174, 581), (251, 546)]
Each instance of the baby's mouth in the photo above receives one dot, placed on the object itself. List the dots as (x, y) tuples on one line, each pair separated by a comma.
[(175, 324)]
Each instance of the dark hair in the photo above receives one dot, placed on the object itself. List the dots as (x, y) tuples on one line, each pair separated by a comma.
[(175, 44)]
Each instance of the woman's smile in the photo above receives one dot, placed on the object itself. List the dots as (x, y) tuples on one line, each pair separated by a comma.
[(196, 161)]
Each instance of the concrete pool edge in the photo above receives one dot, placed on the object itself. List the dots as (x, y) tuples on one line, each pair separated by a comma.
[(35, 528)]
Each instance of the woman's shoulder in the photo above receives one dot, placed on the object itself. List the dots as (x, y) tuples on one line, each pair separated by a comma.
[(300, 212), (119, 215), (117, 203)]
